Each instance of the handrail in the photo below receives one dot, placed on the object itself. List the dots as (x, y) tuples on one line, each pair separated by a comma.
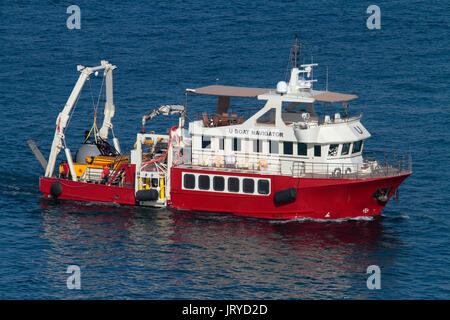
[(377, 164)]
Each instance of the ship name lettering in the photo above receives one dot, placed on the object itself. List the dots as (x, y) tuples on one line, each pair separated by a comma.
[(259, 133), (267, 133)]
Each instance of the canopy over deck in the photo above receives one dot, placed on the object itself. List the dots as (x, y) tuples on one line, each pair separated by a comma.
[(229, 91), (328, 96), (225, 92)]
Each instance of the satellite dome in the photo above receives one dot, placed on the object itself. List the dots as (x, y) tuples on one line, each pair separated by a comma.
[(282, 87)]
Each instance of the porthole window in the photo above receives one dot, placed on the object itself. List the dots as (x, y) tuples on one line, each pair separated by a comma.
[(248, 185), (218, 183), (189, 181), (203, 182), (263, 186), (233, 184)]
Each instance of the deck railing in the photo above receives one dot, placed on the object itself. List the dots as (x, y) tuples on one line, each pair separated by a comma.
[(376, 164)]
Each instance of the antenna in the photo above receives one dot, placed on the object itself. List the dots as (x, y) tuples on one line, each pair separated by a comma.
[(296, 51), (326, 83)]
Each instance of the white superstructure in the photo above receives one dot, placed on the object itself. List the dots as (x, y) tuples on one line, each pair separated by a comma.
[(285, 133)]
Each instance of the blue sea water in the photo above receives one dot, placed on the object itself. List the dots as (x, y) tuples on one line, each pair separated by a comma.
[(400, 72)]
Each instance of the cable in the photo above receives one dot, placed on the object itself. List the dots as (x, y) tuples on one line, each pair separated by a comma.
[(168, 147)]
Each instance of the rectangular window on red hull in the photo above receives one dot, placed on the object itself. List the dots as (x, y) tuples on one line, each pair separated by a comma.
[(263, 186), (249, 185), (233, 184), (218, 183), (203, 182), (189, 181)]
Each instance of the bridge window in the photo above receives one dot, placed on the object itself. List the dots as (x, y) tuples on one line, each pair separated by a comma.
[(257, 145), (249, 185), (345, 149), (189, 181), (236, 144), (288, 147), (263, 186), (203, 182), (233, 184), (317, 151), (333, 150), (357, 146), (218, 183), (273, 146), (221, 143), (302, 149), (206, 142)]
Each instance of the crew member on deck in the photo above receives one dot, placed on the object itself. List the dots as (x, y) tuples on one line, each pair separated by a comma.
[(64, 173), (105, 174)]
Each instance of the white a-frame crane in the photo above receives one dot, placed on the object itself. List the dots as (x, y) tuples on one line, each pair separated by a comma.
[(63, 117)]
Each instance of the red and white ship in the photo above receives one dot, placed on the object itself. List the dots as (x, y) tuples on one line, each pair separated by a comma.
[(286, 161)]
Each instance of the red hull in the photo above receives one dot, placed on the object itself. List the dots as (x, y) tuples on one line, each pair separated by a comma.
[(317, 198), (82, 191)]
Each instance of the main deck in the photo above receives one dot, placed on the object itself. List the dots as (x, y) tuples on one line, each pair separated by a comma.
[(376, 164)]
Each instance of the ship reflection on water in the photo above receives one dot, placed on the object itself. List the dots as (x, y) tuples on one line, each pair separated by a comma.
[(132, 252)]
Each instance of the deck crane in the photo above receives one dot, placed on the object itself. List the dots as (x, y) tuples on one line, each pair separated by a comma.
[(164, 110), (64, 115)]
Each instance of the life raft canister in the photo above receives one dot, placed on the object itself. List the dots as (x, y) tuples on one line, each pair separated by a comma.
[(285, 196)]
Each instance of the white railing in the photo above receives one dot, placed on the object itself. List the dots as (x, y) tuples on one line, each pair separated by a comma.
[(375, 164)]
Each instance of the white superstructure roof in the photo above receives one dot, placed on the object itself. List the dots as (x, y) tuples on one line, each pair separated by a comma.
[(230, 91), (247, 92)]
